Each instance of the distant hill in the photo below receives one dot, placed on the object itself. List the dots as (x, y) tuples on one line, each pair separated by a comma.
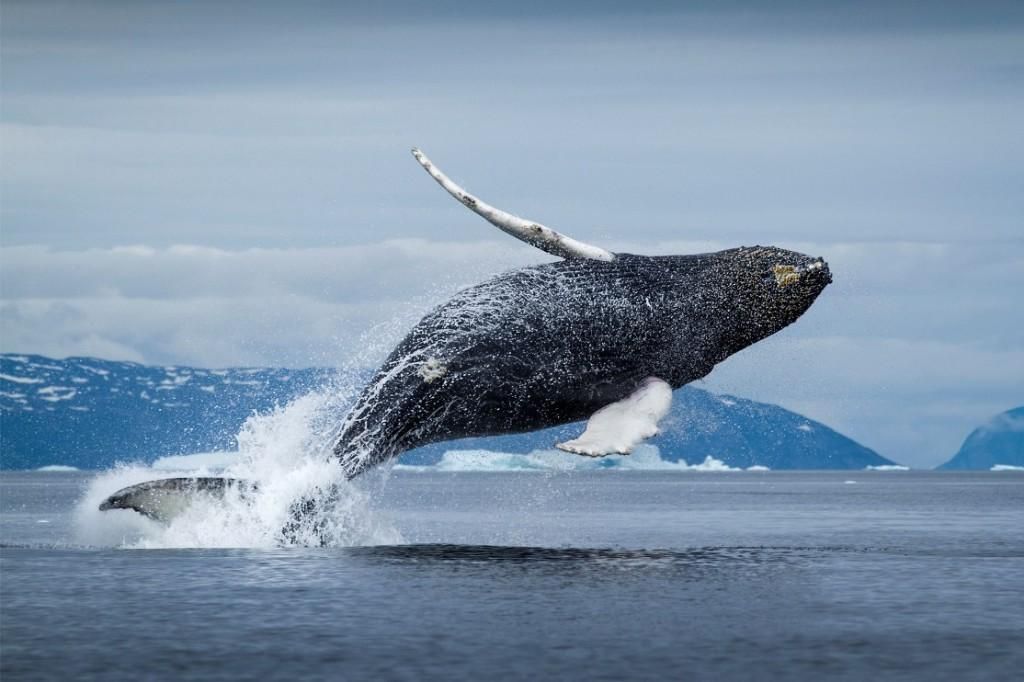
[(999, 442), (89, 413), (741, 433)]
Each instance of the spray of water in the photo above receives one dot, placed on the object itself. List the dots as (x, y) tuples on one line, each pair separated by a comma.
[(285, 453)]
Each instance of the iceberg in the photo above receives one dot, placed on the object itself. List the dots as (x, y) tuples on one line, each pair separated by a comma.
[(644, 458)]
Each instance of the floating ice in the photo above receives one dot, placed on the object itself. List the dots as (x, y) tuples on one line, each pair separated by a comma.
[(644, 458)]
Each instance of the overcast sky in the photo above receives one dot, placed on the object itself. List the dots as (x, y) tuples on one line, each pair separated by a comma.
[(224, 184)]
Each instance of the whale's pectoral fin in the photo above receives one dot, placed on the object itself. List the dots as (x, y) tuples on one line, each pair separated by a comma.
[(530, 231), (621, 426), (166, 498)]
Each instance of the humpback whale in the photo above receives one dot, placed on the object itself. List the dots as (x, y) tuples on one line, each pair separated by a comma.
[(595, 335)]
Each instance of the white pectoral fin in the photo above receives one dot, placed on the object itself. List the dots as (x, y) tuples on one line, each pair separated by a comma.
[(621, 426), (530, 231)]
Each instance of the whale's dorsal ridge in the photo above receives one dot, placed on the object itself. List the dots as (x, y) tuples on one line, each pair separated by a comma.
[(529, 231)]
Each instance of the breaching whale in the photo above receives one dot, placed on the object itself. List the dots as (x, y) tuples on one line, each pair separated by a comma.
[(594, 335)]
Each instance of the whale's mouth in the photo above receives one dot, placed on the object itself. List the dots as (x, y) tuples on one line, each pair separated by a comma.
[(816, 271)]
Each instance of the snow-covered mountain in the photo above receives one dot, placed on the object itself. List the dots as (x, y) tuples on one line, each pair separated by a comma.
[(90, 413), (740, 433), (997, 444)]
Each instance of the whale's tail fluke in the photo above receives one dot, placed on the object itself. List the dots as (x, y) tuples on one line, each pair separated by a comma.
[(533, 233), (165, 498)]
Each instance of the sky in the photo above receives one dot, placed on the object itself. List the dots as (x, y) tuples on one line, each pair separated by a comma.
[(224, 184)]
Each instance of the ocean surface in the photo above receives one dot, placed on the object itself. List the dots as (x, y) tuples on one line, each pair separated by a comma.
[(533, 575)]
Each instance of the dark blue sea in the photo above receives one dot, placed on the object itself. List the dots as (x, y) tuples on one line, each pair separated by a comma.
[(596, 575)]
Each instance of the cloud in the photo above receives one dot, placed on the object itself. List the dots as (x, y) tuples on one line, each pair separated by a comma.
[(206, 306), (156, 125), (340, 274)]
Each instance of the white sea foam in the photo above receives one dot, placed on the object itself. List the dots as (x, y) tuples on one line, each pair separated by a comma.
[(285, 454), (57, 468), (643, 458), (1006, 467), (887, 467)]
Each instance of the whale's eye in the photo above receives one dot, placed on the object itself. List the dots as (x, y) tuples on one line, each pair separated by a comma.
[(785, 275)]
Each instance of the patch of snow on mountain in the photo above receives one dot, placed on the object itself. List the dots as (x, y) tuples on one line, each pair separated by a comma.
[(20, 380), (55, 394)]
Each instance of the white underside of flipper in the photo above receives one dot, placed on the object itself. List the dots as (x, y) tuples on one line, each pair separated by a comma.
[(621, 426), (530, 231)]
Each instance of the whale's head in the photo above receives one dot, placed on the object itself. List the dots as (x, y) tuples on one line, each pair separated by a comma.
[(771, 287)]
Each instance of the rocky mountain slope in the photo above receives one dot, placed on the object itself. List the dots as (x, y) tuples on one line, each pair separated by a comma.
[(999, 443)]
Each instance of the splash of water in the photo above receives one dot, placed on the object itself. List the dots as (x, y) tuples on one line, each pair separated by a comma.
[(285, 453)]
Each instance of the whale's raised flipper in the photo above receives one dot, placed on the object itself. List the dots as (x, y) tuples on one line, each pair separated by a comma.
[(621, 426), (531, 232), (165, 498)]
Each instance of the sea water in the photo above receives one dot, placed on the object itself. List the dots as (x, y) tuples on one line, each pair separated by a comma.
[(546, 574)]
